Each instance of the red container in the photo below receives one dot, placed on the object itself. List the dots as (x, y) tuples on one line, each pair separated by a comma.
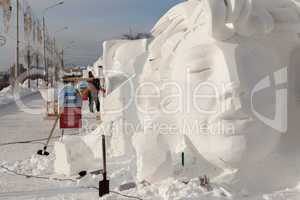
[(71, 118), (85, 98)]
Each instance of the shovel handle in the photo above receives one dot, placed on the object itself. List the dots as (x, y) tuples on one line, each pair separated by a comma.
[(52, 131)]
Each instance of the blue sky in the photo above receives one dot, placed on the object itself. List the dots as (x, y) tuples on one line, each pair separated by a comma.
[(90, 22)]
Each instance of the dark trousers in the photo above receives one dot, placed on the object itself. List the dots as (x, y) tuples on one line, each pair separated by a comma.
[(93, 97)]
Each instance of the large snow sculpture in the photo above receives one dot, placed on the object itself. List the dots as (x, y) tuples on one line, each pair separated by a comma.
[(211, 83), (208, 73), (123, 63), (154, 148), (122, 60)]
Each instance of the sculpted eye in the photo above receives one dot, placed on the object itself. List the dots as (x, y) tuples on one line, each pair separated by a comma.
[(200, 73), (197, 71)]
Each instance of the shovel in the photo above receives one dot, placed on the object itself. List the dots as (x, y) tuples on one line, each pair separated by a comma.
[(44, 152)]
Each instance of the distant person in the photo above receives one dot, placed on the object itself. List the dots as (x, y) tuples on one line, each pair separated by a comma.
[(83, 87), (70, 104), (94, 87), (69, 96)]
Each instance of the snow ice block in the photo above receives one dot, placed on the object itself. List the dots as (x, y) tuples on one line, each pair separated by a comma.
[(72, 156)]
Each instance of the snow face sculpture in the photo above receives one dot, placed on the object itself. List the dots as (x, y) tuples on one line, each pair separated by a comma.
[(208, 75)]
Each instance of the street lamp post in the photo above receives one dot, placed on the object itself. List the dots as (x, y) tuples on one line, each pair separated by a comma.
[(45, 59), (62, 52), (62, 59), (44, 36), (18, 40)]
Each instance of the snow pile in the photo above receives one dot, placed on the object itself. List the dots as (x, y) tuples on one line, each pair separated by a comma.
[(8, 95), (171, 189), (34, 166)]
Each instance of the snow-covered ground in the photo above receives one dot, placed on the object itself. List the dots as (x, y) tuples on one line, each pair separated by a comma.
[(22, 158)]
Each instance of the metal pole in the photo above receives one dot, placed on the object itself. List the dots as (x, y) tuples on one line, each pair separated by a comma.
[(104, 184), (104, 157), (45, 56), (62, 59), (18, 41), (45, 62), (29, 63), (44, 31), (55, 62), (37, 67)]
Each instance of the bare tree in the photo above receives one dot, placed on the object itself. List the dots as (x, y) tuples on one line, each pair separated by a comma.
[(136, 36)]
